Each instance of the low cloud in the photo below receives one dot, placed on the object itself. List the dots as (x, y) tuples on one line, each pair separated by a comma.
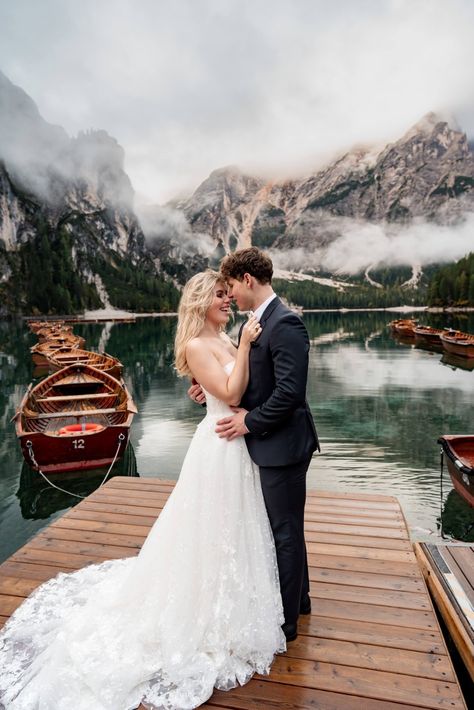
[(362, 245), (165, 225)]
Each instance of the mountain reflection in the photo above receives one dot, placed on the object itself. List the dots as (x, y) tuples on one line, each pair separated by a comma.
[(379, 407)]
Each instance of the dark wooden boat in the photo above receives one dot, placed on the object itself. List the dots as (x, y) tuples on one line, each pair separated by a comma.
[(459, 454), (404, 327), (458, 343), (52, 333), (77, 418), (36, 325), (101, 361), (41, 351), (427, 334), (39, 500)]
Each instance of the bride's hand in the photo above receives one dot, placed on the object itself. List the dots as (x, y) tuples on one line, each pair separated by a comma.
[(250, 331)]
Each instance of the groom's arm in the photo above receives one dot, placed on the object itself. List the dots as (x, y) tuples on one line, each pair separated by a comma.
[(289, 346)]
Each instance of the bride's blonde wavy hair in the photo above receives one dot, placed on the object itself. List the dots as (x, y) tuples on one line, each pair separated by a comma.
[(197, 297)]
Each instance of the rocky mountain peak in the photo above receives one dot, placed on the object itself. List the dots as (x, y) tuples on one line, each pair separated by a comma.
[(427, 175)]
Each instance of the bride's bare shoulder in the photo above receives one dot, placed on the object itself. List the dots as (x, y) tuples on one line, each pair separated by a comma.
[(198, 347)]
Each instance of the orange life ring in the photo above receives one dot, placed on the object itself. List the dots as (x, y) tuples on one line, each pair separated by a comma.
[(80, 429)]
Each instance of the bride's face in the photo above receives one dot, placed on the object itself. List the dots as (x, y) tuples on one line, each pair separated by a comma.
[(219, 310)]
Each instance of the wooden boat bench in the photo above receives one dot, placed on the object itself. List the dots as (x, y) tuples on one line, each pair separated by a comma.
[(68, 397), (79, 413)]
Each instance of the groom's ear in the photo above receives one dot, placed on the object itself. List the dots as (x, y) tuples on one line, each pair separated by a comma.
[(248, 280)]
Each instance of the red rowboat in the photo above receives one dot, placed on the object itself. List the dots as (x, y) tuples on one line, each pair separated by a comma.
[(78, 418), (404, 326), (101, 361), (427, 334), (458, 343), (41, 351), (459, 452)]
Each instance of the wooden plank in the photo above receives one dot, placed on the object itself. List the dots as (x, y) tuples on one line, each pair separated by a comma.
[(348, 518), (365, 553), (414, 663), (366, 530), (27, 570), (107, 515), (361, 579), (362, 631), (353, 521), (119, 527), (401, 600), (260, 695), (378, 685), (376, 613), (386, 543), (41, 543), (399, 569), (14, 586), (351, 495), (95, 538)]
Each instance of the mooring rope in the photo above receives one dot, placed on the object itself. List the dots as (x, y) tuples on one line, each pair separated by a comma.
[(29, 445)]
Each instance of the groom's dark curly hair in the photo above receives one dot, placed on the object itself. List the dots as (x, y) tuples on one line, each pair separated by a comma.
[(248, 261)]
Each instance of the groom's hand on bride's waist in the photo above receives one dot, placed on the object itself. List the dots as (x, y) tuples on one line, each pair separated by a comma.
[(196, 393), (231, 427)]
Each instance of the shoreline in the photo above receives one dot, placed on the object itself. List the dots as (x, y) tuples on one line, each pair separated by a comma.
[(112, 315)]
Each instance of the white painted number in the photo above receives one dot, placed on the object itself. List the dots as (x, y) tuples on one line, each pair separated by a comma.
[(78, 443)]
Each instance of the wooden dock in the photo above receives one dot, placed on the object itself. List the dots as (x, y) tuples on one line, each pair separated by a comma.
[(449, 573), (372, 641)]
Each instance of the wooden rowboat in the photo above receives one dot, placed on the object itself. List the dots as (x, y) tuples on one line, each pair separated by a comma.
[(41, 351), (101, 361), (458, 343), (427, 334), (36, 325), (76, 419), (404, 326), (52, 333), (459, 454)]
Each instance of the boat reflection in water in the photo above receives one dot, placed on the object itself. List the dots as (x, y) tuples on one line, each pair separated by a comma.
[(457, 518), (456, 361), (39, 500)]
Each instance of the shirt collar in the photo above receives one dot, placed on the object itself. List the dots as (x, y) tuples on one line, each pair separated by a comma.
[(258, 312)]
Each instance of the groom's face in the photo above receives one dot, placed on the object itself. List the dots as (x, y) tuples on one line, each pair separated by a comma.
[(241, 293)]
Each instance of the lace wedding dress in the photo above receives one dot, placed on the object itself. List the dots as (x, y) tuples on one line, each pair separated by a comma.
[(198, 608)]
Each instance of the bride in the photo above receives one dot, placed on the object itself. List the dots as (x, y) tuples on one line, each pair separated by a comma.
[(200, 606)]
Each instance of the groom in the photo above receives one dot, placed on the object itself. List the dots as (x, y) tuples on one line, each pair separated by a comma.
[(276, 420)]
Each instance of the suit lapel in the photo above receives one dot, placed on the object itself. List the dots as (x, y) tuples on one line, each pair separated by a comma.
[(269, 310)]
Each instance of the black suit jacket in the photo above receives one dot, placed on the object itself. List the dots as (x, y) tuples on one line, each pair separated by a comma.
[(279, 420)]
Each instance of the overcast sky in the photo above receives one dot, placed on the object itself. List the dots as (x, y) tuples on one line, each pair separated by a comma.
[(274, 86)]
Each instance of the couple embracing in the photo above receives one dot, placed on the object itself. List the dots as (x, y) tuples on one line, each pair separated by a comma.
[(219, 583)]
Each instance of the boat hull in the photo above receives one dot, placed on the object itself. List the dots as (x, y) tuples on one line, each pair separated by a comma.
[(463, 348), (459, 455), (74, 420), (78, 452)]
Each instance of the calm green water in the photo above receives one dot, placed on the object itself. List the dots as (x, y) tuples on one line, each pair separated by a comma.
[(379, 407)]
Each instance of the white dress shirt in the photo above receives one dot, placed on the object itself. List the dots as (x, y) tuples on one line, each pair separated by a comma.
[(258, 312)]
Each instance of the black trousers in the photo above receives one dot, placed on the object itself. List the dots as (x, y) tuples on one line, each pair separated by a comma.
[(284, 492)]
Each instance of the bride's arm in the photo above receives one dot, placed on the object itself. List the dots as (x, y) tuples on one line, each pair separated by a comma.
[(210, 374)]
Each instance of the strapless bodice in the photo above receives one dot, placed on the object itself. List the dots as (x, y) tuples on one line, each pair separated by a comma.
[(216, 408)]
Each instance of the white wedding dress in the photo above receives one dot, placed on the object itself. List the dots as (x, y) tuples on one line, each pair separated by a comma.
[(199, 607)]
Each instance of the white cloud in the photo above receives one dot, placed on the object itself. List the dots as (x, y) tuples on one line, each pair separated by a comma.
[(187, 86), (364, 244)]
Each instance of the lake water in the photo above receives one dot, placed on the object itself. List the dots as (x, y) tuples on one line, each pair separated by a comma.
[(379, 407)]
